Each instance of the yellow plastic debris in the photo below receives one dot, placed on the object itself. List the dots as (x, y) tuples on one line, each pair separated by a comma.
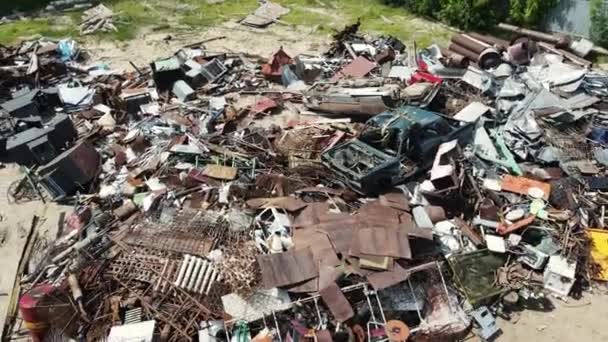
[(599, 251)]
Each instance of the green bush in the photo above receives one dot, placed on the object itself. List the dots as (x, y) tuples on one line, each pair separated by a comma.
[(599, 22), (479, 14), (529, 12), (427, 8), (469, 14)]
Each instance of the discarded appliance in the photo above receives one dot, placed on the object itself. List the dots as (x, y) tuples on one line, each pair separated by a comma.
[(71, 170)]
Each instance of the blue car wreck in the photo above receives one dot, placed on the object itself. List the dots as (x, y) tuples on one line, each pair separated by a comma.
[(393, 147)]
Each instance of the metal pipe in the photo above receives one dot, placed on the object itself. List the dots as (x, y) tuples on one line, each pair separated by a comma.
[(188, 273), (454, 59), (77, 246), (182, 270), (201, 274), (201, 288), (210, 271), (461, 50), (214, 274), (197, 268), (173, 266), (162, 274), (469, 43), (496, 42), (549, 38)]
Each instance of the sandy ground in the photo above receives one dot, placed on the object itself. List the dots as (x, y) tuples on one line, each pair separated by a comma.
[(581, 320), (150, 45), (15, 222)]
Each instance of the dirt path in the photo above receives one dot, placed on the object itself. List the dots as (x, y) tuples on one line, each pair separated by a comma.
[(14, 227)]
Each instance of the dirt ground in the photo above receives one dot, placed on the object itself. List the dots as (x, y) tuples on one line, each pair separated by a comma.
[(15, 223), (581, 320), (239, 39)]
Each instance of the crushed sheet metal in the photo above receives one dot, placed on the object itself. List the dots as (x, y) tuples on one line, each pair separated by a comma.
[(287, 268), (318, 242), (358, 68), (382, 280), (472, 112), (390, 242), (337, 302)]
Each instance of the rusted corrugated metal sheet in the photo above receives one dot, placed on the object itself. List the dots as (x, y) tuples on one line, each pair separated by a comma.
[(337, 302), (287, 268), (390, 242), (358, 68)]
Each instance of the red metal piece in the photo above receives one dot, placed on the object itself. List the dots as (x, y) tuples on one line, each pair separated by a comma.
[(32, 314), (420, 76), (263, 105), (272, 70), (358, 68)]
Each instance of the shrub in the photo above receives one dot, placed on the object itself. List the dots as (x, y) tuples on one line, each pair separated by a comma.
[(599, 22)]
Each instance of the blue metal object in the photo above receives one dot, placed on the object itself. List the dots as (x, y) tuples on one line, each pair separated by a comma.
[(486, 322)]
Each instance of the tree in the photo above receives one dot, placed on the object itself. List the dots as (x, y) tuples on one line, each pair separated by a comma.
[(599, 22), (529, 12)]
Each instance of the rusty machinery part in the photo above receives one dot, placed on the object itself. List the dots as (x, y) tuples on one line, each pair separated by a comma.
[(489, 58), (397, 331)]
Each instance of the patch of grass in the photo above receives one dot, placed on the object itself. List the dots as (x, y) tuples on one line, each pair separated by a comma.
[(375, 17), (325, 15), (13, 32), (204, 14)]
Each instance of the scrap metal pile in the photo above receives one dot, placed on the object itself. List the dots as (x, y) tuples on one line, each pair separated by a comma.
[(375, 192)]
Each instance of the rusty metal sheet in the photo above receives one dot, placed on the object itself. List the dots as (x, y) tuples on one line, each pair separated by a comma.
[(287, 268), (337, 303), (378, 214), (382, 280), (396, 201), (341, 233), (391, 242), (328, 275), (309, 286), (288, 203), (358, 68), (312, 214), (220, 172), (318, 242), (263, 105), (521, 185)]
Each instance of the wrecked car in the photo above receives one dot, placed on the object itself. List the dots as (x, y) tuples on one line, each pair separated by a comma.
[(393, 147)]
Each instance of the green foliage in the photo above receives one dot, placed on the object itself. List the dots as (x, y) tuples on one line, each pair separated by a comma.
[(529, 12), (469, 14), (479, 14), (428, 8), (599, 22)]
